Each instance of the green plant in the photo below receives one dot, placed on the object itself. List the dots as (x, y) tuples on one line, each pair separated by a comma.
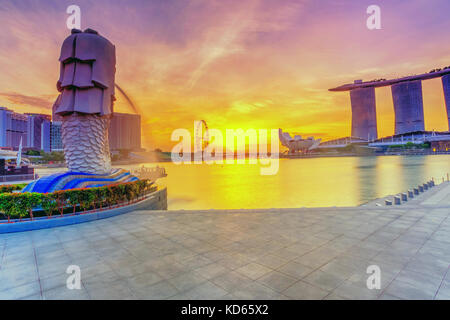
[(60, 201), (7, 205), (9, 188), (73, 197), (25, 202), (49, 203), (100, 194), (86, 198), (20, 205)]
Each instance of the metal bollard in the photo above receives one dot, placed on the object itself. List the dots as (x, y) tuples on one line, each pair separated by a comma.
[(410, 194), (388, 202), (425, 186), (416, 191), (404, 197), (397, 200), (421, 188)]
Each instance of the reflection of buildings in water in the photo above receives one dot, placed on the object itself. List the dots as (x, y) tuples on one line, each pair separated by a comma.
[(366, 171), (397, 174), (413, 169)]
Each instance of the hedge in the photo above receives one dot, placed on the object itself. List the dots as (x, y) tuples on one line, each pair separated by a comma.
[(21, 205), (9, 188)]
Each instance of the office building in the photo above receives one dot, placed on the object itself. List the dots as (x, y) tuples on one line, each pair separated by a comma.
[(125, 132), (13, 127)]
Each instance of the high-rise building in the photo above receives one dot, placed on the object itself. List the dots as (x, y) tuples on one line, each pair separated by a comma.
[(55, 136), (364, 115), (45, 136), (408, 106), (37, 138), (13, 127), (125, 132)]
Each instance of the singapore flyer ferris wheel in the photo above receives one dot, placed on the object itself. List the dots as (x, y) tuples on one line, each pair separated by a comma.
[(201, 135)]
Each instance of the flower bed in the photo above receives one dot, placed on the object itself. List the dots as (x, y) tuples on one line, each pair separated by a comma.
[(29, 205)]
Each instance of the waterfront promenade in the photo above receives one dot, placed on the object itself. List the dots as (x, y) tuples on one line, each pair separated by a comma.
[(319, 253)]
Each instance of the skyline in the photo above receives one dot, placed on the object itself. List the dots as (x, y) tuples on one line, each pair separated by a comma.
[(258, 64)]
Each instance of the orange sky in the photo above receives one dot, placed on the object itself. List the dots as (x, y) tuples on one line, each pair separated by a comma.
[(236, 64)]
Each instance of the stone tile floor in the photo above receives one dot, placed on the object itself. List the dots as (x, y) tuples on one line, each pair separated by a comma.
[(320, 253)]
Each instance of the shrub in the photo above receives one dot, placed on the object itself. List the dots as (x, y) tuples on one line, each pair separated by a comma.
[(49, 203), (9, 188), (25, 202), (20, 205), (86, 198), (60, 199), (7, 205), (73, 197)]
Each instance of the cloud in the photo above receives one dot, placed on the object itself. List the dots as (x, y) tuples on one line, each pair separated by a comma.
[(234, 63), (44, 101)]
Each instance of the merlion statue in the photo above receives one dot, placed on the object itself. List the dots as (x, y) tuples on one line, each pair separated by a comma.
[(85, 104), (85, 107)]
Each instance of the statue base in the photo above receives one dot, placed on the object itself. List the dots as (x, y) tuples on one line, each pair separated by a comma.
[(73, 180)]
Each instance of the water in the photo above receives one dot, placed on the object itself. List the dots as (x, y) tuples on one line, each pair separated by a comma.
[(313, 182)]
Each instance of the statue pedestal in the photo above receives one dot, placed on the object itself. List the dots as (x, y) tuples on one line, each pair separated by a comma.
[(73, 180)]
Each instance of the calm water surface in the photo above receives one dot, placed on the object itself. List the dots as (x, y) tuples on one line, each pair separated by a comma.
[(313, 182)]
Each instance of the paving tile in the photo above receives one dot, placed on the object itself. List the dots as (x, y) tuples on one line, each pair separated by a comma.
[(444, 291), (187, 281), (253, 270), (63, 293), (143, 280), (21, 291), (317, 258), (257, 291), (206, 291), (323, 280), (271, 261), (170, 270), (405, 290), (232, 281), (429, 266), (211, 271), (295, 270), (275, 254), (420, 280), (196, 262), (101, 279), (11, 278), (352, 291), (334, 296), (338, 270), (234, 262), (131, 270), (158, 291), (114, 290), (386, 296), (302, 290), (54, 282), (36, 296), (277, 281)]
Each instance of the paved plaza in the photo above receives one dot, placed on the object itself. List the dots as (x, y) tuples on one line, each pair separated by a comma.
[(320, 253)]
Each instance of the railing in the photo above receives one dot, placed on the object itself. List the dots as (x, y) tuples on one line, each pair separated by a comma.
[(19, 177)]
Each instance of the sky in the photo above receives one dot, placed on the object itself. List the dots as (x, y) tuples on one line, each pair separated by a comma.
[(250, 64)]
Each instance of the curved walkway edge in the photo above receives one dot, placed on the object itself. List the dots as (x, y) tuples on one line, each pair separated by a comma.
[(155, 201)]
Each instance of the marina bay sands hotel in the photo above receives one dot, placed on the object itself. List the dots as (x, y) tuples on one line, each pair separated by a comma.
[(407, 98)]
